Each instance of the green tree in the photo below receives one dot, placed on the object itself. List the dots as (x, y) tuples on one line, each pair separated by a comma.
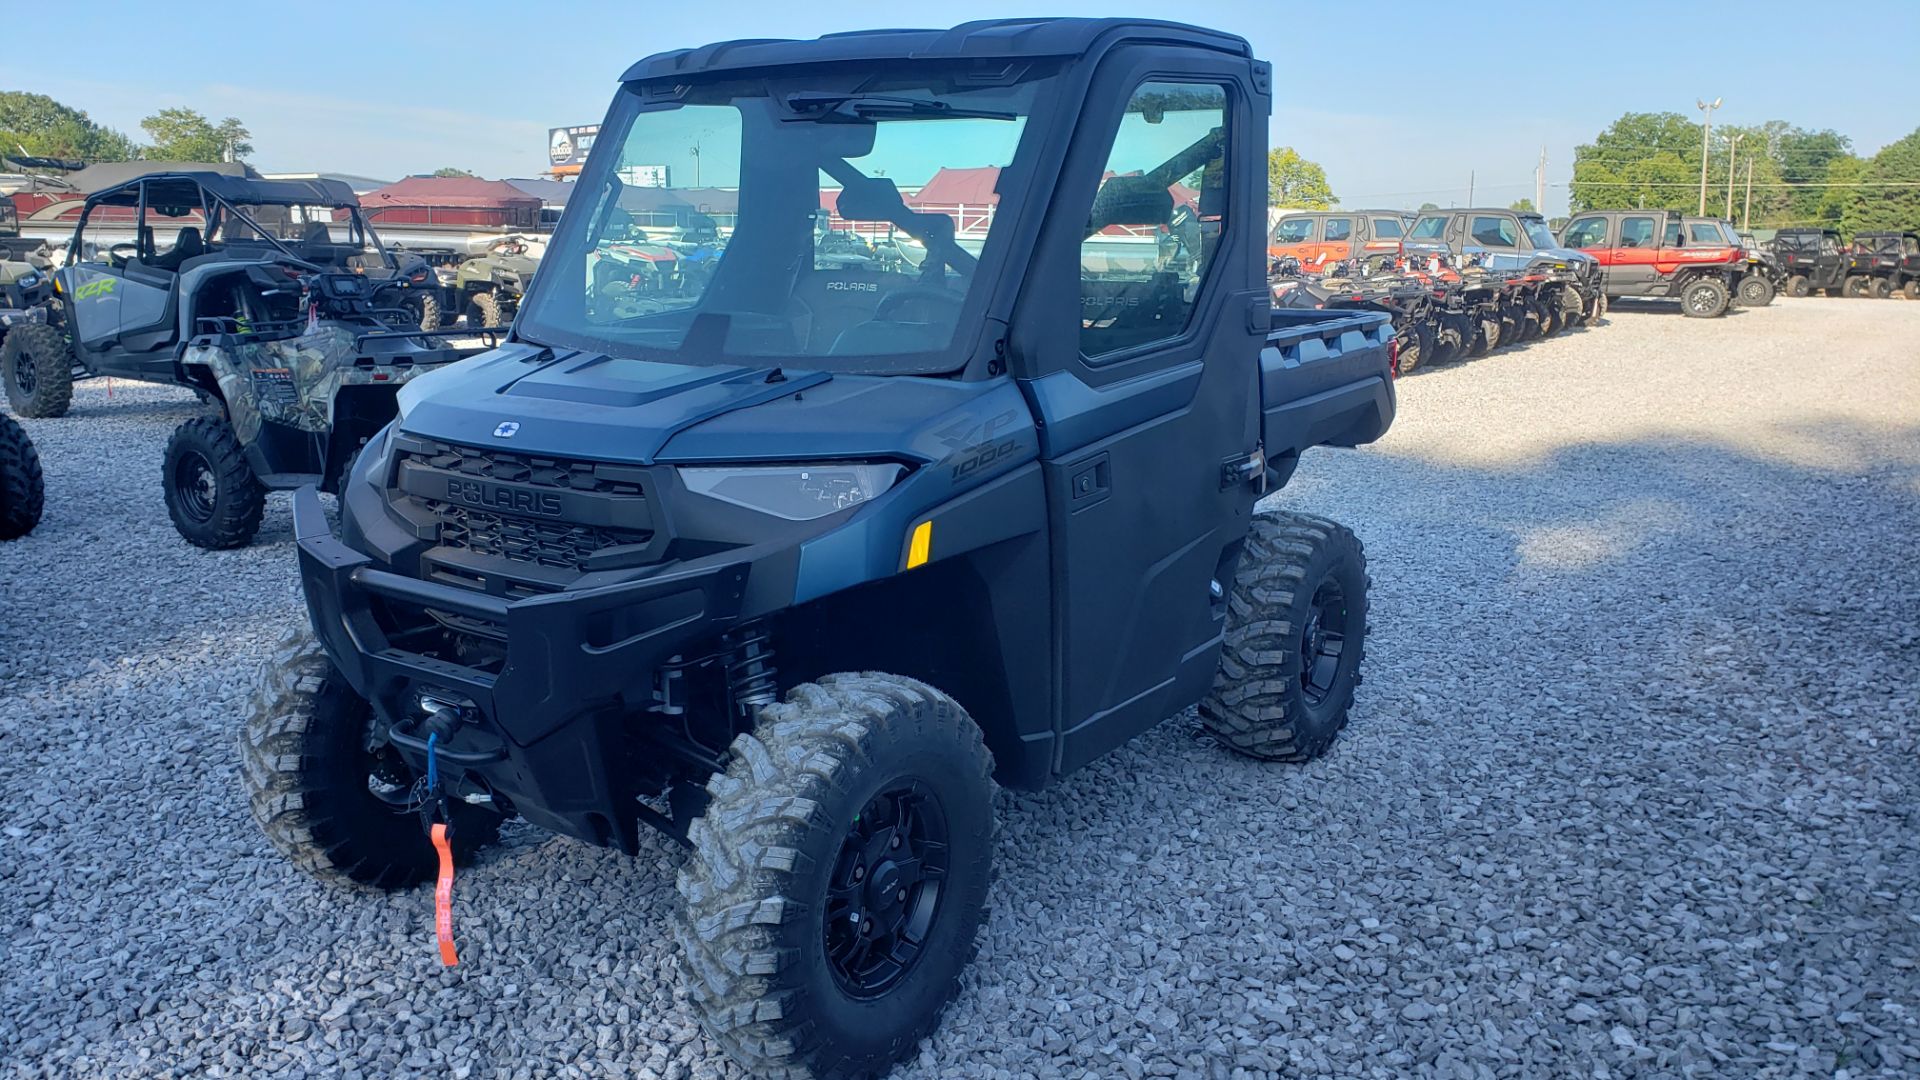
[(1881, 202), (1522, 206), (184, 135), (1425, 206), (1296, 183), (1642, 160), (46, 128), (451, 171)]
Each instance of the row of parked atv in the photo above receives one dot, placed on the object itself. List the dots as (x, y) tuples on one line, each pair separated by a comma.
[(1704, 263), (1449, 294), (1875, 264)]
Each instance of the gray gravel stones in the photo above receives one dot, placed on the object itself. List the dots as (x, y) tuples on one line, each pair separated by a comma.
[(1631, 789)]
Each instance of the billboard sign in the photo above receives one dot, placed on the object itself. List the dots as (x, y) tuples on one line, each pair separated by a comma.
[(567, 146)]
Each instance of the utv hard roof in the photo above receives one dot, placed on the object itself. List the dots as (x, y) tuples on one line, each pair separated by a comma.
[(246, 190), (984, 40)]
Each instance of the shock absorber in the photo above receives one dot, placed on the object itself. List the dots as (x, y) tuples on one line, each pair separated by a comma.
[(750, 671)]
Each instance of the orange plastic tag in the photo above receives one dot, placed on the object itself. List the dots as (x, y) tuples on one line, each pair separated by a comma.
[(443, 897)]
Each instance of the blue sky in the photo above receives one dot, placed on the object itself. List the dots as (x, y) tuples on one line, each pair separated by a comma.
[(1399, 102)]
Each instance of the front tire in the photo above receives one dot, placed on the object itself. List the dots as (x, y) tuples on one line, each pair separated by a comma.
[(310, 780), (37, 367), (483, 310), (1704, 298), (212, 495), (1911, 290), (1755, 291), (839, 877), (423, 306), (1798, 287), (22, 489), (1855, 287), (1880, 288), (1296, 634)]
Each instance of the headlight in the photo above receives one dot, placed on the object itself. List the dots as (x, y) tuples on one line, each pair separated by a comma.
[(793, 492)]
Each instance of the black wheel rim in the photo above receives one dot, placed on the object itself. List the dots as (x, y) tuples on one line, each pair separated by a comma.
[(23, 374), (195, 487), (1322, 641), (885, 891)]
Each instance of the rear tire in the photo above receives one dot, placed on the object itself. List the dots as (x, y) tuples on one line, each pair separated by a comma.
[(305, 770), (798, 933), (1704, 298), (1756, 290), (212, 495), (1296, 634), (22, 489), (1855, 286), (37, 367), (1798, 288), (1486, 339)]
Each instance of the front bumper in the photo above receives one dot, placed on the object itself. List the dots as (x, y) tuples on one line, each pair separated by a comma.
[(544, 727)]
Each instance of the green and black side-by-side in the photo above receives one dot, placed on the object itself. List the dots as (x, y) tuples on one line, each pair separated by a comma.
[(794, 560)]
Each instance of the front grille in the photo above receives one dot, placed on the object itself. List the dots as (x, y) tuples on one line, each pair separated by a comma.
[(524, 469), (495, 548), (556, 544)]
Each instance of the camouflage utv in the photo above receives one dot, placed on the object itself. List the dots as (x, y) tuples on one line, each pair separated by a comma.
[(489, 285), (263, 305)]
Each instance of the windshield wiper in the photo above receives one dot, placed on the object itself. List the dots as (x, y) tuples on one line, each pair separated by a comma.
[(868, 106)]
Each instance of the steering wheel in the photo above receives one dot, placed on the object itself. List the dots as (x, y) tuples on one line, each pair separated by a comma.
[(119, 255), (899, 298)]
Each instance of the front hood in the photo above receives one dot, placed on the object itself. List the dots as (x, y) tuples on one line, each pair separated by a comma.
[(581, 405)]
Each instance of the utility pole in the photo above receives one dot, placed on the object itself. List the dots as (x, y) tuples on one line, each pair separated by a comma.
[(1746, 215), (1706, 132), (1731, 145), (1469, 187), (695, 151), (1540, 184)]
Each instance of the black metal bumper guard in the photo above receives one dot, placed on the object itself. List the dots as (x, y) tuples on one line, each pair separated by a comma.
[(546, 730)]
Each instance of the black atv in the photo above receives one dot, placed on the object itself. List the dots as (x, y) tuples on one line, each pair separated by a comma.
[(1815, 260), (795, 565), (1884, 264), (262, 304)]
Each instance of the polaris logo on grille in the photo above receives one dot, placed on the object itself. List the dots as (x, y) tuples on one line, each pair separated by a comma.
[(507, 429), (499, 497)]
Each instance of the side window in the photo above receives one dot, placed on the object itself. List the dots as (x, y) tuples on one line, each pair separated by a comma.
[(1156, 218), (1386, 228), (1339, 228), (1704, 234), (1494, 232), (1671, 238), (1636, 232), (1293, 230), (1910, 246), (1588, 232)]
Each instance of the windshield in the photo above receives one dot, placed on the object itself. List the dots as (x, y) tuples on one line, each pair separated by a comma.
[(328, 236), (1430, 228), (1538, 233), (836, 221)]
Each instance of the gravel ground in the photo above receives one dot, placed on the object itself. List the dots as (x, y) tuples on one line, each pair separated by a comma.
[(1631, 787)]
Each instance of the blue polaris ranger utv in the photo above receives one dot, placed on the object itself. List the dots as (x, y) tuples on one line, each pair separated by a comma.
[(795, 560)]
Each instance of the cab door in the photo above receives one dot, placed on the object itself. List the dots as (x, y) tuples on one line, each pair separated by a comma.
[(1336, 240), (1636, 255), (1151, 394)]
